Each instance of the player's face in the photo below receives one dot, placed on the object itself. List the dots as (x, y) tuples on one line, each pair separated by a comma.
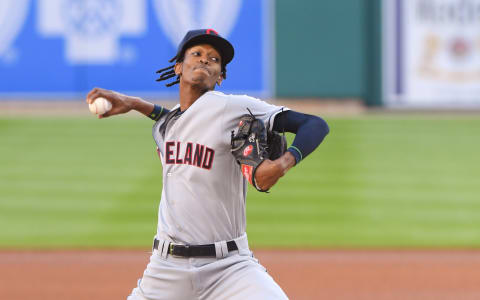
[(201, 67)]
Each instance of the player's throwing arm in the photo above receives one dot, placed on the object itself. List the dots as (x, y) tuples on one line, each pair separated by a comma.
[(120, 103)]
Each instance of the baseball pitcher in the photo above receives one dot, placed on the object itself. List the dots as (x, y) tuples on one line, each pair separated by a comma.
[(211, 146)]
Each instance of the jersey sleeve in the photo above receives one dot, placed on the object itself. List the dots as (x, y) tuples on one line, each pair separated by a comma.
[(238, 106)]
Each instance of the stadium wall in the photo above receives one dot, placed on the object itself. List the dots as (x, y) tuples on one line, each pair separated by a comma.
[(328, 49)]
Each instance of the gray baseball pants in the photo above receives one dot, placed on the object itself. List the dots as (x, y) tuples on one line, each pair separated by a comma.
[(234, 275)]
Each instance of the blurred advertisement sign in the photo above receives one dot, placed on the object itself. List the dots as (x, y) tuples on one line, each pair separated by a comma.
[(177, 17), (63, 48), (431, 53), (91, 28), (12, 18)]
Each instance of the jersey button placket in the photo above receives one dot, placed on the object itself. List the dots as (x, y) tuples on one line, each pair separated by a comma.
[(170, 137), (169, 182), (170, 174)]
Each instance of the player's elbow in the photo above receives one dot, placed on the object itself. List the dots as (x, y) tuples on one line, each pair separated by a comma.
[(320, 125)]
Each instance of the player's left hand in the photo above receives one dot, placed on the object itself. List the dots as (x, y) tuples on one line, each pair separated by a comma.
[(270, 171)]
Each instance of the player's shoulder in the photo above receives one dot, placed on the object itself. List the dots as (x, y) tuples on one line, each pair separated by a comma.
[(236, 99), (232, 97)]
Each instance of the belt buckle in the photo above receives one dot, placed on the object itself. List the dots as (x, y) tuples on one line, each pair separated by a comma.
[(170, 250)]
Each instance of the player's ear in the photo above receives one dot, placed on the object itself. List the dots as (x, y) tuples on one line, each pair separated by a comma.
[(220, 79), (178, 68)]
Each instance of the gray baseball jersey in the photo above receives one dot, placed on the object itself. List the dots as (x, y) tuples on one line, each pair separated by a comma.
[(204, 192), (203, 202)]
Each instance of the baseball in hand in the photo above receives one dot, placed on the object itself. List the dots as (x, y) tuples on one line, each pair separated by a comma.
[(100, 106)]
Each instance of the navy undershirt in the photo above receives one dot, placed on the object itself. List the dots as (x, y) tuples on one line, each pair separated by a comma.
[(309, 130)]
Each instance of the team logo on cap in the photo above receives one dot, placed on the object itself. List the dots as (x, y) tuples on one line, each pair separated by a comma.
[(211, 31), (178, 17), (12, 18)]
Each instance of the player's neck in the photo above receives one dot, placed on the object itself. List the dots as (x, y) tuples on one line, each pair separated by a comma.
[(188, 95)]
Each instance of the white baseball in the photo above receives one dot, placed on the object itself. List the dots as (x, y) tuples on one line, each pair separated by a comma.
[(100, 106)]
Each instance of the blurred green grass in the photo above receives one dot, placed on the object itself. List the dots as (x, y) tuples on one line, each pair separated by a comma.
[(377, 181)]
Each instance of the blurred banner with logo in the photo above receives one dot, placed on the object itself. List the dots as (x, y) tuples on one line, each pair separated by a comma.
[(431, 53), (63, 48)]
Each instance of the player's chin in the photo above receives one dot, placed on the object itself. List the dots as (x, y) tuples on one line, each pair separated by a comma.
[(203, 83)]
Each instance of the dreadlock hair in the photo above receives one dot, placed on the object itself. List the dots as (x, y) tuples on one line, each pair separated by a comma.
[(169, 72)]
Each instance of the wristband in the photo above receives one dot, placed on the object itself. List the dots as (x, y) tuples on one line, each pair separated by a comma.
[(296, 153), (156, 113)]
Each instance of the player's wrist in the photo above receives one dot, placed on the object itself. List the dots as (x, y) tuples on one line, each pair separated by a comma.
[(285, 162), (132, 103)]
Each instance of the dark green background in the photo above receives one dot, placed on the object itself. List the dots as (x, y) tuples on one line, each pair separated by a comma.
[(328, 49)]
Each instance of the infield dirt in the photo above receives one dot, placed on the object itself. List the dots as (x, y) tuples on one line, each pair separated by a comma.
[(324, 274)]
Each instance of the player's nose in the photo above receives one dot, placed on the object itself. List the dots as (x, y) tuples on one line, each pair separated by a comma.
[(204, 60)]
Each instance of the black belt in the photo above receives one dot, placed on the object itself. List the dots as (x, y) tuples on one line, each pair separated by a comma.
[(194, 250)]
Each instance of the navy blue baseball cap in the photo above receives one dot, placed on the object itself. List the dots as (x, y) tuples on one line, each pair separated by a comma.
[(205, 36)]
